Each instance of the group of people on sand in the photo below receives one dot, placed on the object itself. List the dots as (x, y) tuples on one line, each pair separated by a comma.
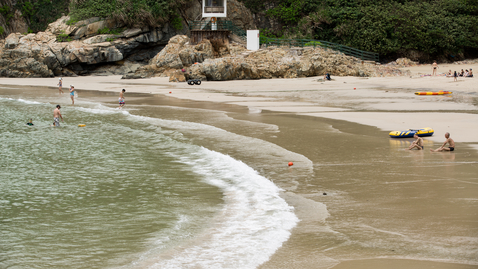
[(463, 73), (418, 144)]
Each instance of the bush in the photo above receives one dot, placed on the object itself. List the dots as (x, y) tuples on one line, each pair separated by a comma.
[(2, 30), (63, 38), (439, 27)]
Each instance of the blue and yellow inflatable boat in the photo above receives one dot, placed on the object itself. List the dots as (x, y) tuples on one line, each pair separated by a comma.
[(409, 133)]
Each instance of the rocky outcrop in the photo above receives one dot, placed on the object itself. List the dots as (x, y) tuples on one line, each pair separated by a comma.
[(43, 55), (236, 62)]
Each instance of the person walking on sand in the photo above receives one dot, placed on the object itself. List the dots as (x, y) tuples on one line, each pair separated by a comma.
[(418, 143), (455, 76), (60, 84), (434, 68), (72, 94), (121, 99), (451, 144), (57, 116)]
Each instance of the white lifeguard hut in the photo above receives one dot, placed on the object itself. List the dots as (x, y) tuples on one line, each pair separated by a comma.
[(214, 9), (209, 27)]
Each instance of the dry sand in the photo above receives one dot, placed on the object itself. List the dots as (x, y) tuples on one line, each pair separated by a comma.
[(388, 103)]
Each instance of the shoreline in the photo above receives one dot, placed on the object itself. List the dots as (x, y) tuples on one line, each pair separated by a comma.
[(372, 104)]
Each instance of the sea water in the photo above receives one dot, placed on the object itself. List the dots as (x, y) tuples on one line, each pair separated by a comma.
[(126, 192)]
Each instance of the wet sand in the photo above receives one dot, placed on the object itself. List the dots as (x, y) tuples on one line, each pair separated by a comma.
[(375, 107)]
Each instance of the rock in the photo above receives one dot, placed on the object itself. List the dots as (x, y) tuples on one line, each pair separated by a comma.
[(177, 76), (12, 40), (132, 32)]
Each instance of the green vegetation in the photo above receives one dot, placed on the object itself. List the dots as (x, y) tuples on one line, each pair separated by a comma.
[(7, 13), (131, 12), (39, 13), (389, 27), (108, 31), (2, 30), (63, 37)]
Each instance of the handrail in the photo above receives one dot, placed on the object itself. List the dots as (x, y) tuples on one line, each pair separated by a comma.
[(219, 25), (363, 55)]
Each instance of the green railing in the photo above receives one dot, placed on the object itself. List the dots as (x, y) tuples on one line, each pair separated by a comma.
[(364, 55), (220, 25)]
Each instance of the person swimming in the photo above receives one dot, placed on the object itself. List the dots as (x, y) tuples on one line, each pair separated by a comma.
[(30, 122)]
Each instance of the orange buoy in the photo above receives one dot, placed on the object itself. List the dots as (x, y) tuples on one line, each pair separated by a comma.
[(291, 163), (169, 92), (355, 88)]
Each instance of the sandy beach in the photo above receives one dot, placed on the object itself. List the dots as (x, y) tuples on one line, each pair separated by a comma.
[(386, 103)]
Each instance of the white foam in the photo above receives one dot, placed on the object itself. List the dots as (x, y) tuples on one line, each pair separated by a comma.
[(22, 100), (252, 225), (101, 109)]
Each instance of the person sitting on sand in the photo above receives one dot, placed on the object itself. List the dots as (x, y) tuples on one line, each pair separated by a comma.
[(30, 122), (466, 73), (418, 143), (327, 77), (470, 74), (451, 144), (462, 73), (434, 68), (449, 74)]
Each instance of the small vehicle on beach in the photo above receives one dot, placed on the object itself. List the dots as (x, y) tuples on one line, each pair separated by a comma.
[(411, 132), (194, 81)]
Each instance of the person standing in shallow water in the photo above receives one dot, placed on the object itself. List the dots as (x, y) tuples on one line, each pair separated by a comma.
[(121, 98), (57, 116), (72, 94), (451, 144), (60, 84), (434, 68)]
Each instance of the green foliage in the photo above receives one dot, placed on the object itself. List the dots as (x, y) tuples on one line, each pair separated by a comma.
[(7, 13), (176, 22), (110, 39), (108, 31), (39, 13), (63, 38), (27, 9), (71, 22), (131, 12), (438, 27), (313, 44), (2, 30)]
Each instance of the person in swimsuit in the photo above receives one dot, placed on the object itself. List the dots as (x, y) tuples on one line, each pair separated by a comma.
[(72, 94), (451, 144), (30, 122), (57, 116), (60, 84), (434, 68), (418, 143), (121, 99), (455, 76), (470, 74)]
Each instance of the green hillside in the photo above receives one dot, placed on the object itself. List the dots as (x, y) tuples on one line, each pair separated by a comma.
[(447, 29)]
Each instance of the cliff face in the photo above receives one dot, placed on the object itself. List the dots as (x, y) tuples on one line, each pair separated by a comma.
[(44, 54), (11, 19)]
